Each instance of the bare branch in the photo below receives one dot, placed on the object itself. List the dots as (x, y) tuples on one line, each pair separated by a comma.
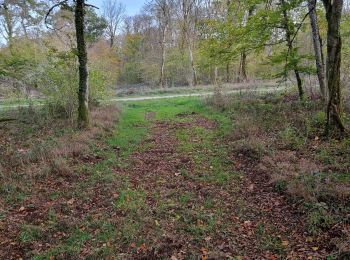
[(50, 11), (301, 24), (93, 6)]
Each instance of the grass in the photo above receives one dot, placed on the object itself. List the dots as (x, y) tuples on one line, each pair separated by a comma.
[(283, 139), (146, 91), (20, 101), (174, 172), (30, 233)]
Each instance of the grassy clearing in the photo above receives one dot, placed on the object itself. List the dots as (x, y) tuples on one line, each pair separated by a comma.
[(119, 221), (173, 179), (147, 91)]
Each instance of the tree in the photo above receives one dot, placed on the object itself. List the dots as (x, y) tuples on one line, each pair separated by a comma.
[(95, 26), (83, 93), (79, 8), (30, 13), (187, 17), (289, 30), (334, 45), (317, 43), (161, 11), (242, 72), (8, 21), (113, 13), (18, 16)]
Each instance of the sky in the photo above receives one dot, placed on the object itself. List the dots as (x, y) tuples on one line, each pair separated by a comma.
[(132, 6)]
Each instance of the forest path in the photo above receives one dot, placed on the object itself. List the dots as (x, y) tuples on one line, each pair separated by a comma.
[(166, 184), (199, 202), (189, 197)]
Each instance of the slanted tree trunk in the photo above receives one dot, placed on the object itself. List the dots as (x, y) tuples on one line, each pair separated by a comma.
[(334, 43), (83, 93), (289, 33), (317, 42)]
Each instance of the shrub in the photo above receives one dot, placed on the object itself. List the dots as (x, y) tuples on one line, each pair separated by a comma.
[(291, 138), (251, 148), (318, 218)]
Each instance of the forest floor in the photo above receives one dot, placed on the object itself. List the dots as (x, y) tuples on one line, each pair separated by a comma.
[(183, 179)]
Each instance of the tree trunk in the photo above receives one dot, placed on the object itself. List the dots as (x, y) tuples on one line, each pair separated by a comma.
[(162, 64), (289, 33), (242, 73), (216, 76), (227, 72), (243, 69), (299, 84), (334, 44), (317, 42), (194, 72), (83, 93), (111, 42)]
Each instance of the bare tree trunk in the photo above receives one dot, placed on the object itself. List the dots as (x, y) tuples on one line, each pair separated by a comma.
[(216, 76), (83, 93), (111, 42), (243, 68), (227, 72), (162, 64), (317, 42), (194, 72), (289, 34), (334, 44), (243, 63), (239, 72)]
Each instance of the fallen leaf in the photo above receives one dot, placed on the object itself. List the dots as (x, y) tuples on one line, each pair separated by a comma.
[(309, 239), (251, 187), (142, 247), (247, 223), (204, 251)]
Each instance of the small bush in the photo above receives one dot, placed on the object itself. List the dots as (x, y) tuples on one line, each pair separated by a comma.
[(318, 218), (59, 167), (280, 186), (319, 119), (252, 149), (291, 138)]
